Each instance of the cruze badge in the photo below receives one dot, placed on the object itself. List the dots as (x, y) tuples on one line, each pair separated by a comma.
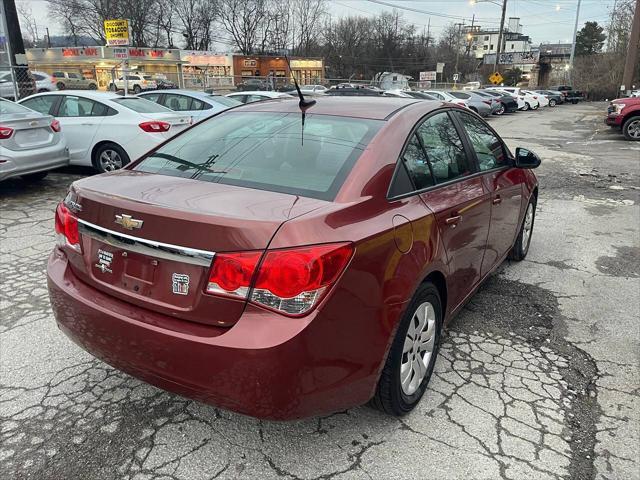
[(180, 283), (128, 222), (104, 261)]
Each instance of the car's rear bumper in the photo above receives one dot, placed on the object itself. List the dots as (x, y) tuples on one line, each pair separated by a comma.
[(266, 366), (23, 162)]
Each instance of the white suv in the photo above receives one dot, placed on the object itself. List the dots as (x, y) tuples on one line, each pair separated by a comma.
[(135, 83)]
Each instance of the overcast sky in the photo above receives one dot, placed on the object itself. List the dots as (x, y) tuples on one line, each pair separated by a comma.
[(543, 20)]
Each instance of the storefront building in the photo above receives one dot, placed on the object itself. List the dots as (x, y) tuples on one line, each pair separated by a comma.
[(100, 64), (206, 69), (305, 70)]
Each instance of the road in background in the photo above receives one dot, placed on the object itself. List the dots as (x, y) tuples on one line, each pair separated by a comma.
[(538, 376)]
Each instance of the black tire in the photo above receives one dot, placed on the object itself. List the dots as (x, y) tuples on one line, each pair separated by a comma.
[(526, 106), (136, 89), (501, 110), (390, 397), (34, 177), (42, 90), (60, 85), (631, 128), (93, 86), (552, 102), (112, 87), (106, 148), (521, 247), (574, 102)]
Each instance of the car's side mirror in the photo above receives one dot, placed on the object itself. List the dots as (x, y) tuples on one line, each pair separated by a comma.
[(526, 158)]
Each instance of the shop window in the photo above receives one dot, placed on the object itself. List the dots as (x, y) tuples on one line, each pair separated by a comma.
[(246, 73)]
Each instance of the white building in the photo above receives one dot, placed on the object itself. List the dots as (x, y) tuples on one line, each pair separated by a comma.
[(482, 41)]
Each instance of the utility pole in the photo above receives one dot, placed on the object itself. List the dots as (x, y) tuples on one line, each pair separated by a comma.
[(470, 34), (48, 38), (499, 46), (573, 45), (15, 44), (459, 25), (631, 61)]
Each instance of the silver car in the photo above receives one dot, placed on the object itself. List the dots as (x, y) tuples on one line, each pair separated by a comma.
[(474, 102), (199, 105), (31, 144)]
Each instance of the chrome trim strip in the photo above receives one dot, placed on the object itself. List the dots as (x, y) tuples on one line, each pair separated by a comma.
[(152, 248)]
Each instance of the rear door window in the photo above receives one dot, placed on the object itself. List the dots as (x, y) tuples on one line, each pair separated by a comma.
[(43, 104), (177, 103), (267, 151), (80, 107)]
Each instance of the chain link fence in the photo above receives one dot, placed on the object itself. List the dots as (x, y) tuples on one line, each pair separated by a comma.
[(16, 82)]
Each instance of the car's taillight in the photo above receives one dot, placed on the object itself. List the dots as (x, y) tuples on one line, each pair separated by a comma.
[(290, 281), (67, 227), (5, 132), (488, 102), (461, 103), (155, 126), (535, 97), (55, 126)]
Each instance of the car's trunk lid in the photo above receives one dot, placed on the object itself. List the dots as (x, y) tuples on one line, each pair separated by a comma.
[(31, 130), (149, 239)]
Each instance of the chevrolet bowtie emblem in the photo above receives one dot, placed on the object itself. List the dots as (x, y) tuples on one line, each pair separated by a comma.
[(128, 222)]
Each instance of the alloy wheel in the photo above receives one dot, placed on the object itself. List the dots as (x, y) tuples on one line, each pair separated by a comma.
[(500, 111), (110, 160), (418, 348), (633, 129), (528, 227)]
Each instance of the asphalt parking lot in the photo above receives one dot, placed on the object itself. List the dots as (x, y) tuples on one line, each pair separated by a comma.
[(538, 377)]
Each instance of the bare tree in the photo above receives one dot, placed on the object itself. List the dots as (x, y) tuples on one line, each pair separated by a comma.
[(196, 19), (28, 22), (163, 28), (242, 20), (307, 22)]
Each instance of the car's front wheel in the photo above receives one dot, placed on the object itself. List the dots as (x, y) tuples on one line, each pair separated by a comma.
[(521, 247), (60, 85), (552, 103), (136, 89), (500, 110), (631, 128), (109, 157), (112, 87), (412, 355), (526, 106), (93, 86)]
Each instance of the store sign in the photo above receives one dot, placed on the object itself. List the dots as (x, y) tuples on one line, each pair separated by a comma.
[(116, 32), (306, 64), (513, 58), (427, 76), (439, 67), (81, 52), (121, 53)]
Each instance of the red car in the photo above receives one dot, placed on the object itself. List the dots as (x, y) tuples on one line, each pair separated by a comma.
[(285, 265), (624, 113)]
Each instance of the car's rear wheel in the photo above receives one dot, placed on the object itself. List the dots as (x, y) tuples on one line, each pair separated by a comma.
[(521, 247), (136, 89), (60, 85), (112, 87), (34, 177), (93, 86), (526, 106), (536, 107), (412, 356), (552, 103), (631, 129), (500, 110), (109, 157)]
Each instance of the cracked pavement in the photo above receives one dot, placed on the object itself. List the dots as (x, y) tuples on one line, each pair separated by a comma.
[(538, 376)]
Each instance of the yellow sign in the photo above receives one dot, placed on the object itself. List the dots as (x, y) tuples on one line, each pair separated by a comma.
[(496, 78), (116, 32)]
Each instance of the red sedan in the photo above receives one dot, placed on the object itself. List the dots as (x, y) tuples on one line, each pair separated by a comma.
[(285, 266)]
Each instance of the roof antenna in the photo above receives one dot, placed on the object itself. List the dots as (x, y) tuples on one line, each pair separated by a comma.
[(303, 103)]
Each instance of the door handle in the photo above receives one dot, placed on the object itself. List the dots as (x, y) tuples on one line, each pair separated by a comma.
[(497, 200), (453, 221)]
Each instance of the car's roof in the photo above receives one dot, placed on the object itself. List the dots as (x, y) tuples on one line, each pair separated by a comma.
[(180, 91), (265, 93), (377, 108), (88, 94)]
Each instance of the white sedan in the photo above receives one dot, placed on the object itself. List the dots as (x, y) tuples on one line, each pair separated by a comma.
[(199, 105), (313, 89), (258, 95), (106, 130)]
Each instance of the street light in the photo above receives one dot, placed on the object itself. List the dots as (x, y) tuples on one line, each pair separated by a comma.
[(502, 4)]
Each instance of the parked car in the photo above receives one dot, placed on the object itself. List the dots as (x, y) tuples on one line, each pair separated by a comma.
[(252, 84), (199, 105), (135, 84), (31, 144), (26, 85), (284, 272), (250, 97), (563, 89), (475, 103), (554, 98), (163, 83), (396, 93), (624, 113), (542, 99), (446, 97), (526, 100), (493, 102), (73, 81), (312, 89), (357, 91), (574, 96), (508, 103), (44, 82), (634, 93), (106, 130), (420, 95)]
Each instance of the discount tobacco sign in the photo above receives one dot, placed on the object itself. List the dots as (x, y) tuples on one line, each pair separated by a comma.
[(116, 32)]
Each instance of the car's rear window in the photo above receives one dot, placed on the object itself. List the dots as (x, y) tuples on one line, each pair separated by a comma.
[(460, 95), (226, 101), (7, 107), (267, 151), (141, 105)]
